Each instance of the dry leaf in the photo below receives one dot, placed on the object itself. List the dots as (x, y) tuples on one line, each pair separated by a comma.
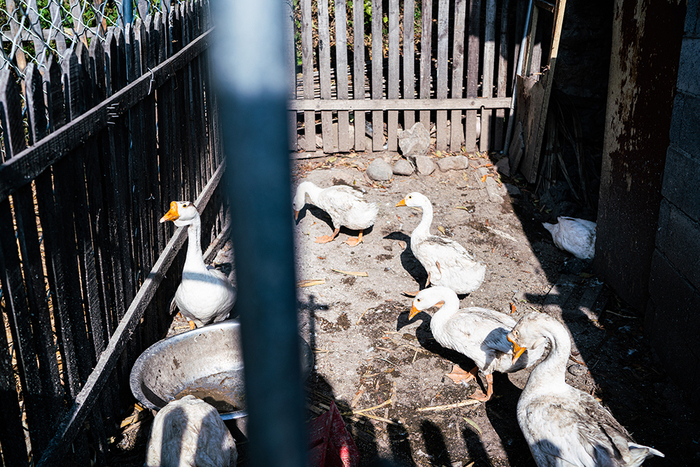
[(438, 153), (512, 308), (352, 273), (473, 424), (442, 230), (311, 282)]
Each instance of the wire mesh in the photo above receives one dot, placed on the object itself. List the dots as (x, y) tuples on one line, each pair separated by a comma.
[(30, 30)]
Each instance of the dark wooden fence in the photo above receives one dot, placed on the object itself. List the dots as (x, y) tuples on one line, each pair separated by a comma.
[(92, 157)]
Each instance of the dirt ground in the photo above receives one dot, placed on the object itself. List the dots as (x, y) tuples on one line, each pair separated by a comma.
[(387, 374)]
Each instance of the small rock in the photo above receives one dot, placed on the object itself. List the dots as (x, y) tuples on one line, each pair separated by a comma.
[(379, 170), (415, 141), (453, 163), (425, 165), (503, 166), (512, 189), (403, 167), (577, 370)]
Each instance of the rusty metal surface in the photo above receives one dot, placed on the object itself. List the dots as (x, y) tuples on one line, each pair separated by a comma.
[(643, 72)]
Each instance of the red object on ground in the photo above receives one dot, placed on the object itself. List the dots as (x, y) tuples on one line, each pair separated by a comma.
[(330, 443)]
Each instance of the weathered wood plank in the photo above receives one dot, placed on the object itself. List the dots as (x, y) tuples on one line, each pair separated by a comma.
[(307, 67), (377, 74), (324, 67), (392, 91), (472, 74), (400, 104), (34, 160), (409, 47), (341, 59), (501, 89), (457, 129), (487, 116), (426, 39), (441, 92), (358, 79)]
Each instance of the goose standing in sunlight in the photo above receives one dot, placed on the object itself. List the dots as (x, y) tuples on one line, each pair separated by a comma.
[(478, 333), (343, 203), (562, 425), (205, 295), (576, 236), (447, 262), (190, 433)]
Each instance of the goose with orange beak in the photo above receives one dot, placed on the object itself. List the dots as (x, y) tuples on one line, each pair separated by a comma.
[(478, 333), (562, 425), (205, 295)]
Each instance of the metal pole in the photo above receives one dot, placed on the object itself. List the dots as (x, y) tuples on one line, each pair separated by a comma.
[(249, 64), (128, 11), (518, 70)]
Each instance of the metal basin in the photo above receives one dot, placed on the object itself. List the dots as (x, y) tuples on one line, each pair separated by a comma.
[(206, 362)]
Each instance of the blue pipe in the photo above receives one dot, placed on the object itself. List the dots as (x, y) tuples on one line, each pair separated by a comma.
[(251, 83), (128, 11)]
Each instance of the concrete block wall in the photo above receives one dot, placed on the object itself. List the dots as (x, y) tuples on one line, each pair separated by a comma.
[(673, 312)]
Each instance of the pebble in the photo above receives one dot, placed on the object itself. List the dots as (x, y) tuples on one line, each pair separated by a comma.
[(453, 163), (403, 167), (577, 370), (379, 170)]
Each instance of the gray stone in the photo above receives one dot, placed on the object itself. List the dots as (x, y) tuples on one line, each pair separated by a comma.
[(503, 166), (415, 141), (453, 163), (425, 165), (379, 170), (512, 189), (403, 167)]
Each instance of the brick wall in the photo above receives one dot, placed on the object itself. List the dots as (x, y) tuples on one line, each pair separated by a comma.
[(673, 312)]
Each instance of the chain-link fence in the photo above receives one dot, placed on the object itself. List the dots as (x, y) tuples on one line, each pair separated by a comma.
[(30, 30)]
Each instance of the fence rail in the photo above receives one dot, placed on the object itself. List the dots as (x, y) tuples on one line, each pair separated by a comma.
[(94, 149), (449, 64)]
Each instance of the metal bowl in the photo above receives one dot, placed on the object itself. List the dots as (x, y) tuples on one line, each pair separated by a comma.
[(206, 362)]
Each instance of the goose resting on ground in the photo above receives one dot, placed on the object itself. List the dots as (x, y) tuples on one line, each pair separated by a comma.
[(562, 425), (478, 333), (205, 295), (447, 262), (576, 236), (343, 203), (190, 433)]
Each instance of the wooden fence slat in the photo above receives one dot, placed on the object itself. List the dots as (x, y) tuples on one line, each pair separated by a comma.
[(358, 79), (456, 127), (500, 122), (472, 74), (341, 58), (441, 93), (426, 39), (377, 74), (392, 91), (409, 45), (324, 67), (307, 63), (487, 116)]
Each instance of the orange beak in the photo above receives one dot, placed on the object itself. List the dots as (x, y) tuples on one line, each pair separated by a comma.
[(401, 203), (172, 214), (414, 312), (517, 350), (296, 215)]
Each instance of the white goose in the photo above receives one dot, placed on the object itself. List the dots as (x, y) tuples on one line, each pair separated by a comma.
[(478, 333), (187, 433), (562, 425), (447, 262), (577, 236), (204, 295), (343, 203)]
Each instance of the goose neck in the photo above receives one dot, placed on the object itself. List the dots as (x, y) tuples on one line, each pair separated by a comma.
[(553, 368), (445, 312), (194, 259), (422, 230)]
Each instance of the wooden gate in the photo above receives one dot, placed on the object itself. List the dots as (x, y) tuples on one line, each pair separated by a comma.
[(446, 63)]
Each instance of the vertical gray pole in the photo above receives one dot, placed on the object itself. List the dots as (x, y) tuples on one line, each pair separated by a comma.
[(251, 75)]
